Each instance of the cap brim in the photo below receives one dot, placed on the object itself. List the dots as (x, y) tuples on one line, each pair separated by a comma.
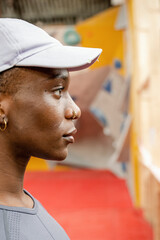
[(65, 57)]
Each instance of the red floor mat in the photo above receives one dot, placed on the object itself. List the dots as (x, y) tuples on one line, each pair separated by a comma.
[(90, 205)]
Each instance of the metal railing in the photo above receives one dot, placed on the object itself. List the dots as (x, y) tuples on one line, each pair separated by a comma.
[(56, 11)]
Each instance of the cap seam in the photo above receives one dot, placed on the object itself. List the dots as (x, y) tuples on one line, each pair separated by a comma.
[(50, 46), (11, 40)]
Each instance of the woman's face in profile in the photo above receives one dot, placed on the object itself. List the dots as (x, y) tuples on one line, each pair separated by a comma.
[(40, 114)]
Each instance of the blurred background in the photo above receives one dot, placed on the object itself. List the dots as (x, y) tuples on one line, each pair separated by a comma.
[(109, 185)]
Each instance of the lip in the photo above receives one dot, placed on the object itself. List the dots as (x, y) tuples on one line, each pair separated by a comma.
[(69, 136)]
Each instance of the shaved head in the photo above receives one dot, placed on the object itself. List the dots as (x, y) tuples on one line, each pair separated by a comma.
[(11, 80)]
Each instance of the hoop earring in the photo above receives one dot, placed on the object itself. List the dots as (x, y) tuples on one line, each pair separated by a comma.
[(5, 125)]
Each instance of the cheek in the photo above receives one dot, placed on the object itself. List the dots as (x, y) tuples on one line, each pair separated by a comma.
[(54, 111), (46, 111), (37, 117), (48, 99)]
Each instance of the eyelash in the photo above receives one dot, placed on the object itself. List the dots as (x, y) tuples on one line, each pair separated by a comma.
[(59, 91)]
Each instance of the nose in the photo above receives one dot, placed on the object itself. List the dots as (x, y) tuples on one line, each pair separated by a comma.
[(72, 111)]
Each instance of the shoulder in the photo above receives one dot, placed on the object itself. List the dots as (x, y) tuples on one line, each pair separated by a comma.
[(2, 224), (44, 221), (50, 223)]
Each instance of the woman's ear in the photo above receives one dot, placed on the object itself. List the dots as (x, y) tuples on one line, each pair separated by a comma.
[(5, 104)]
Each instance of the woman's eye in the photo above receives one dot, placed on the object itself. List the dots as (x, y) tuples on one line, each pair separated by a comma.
[(58, 92)]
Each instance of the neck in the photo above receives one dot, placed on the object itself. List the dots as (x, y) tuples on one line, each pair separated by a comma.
[(12, 169), (11, 174)]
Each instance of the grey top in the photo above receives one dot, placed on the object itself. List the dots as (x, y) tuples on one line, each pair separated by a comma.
[(17, 223)]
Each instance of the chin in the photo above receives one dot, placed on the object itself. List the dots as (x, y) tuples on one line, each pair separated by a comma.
[(58, 156), (55, 154), (61, 155)]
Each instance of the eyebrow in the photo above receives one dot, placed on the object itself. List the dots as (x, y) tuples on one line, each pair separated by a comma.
[(58, 76)]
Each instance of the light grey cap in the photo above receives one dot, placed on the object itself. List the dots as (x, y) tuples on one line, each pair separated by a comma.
[(24, 44)]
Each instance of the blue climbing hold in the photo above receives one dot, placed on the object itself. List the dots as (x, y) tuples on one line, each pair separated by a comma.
[(117, 64), (108, 86)]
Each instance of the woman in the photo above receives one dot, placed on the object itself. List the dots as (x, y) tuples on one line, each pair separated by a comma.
[(36, 119)]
